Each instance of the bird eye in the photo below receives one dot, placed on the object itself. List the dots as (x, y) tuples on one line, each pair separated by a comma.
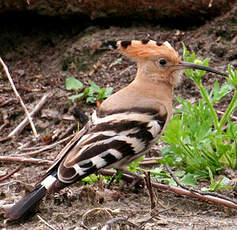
[(162, 62)]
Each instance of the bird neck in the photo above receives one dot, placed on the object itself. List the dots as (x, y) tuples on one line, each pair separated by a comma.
[(153, 85), (152, 95)]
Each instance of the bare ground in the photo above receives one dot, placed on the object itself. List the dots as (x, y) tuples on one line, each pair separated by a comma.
[(41, 53)]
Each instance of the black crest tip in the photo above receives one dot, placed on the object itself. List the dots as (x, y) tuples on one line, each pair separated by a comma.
[(125, 44), (159, 43), (145, 41)]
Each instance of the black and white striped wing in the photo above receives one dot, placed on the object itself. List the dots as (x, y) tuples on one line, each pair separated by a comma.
[(112, 140)]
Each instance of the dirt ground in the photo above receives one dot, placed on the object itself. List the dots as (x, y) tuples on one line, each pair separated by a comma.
[(41, 52)]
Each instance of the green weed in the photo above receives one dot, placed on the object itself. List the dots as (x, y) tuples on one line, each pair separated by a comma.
[(198, 140), (90, 94)]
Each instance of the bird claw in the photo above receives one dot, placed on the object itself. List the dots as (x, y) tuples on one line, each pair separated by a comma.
[(137, 182)]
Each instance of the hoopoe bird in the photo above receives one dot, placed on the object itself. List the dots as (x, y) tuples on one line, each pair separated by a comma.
[(124, 127)]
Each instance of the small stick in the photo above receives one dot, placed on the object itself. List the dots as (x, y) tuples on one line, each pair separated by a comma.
[(7, 101), (125, 70), (11, 173), (19, 98), (156, 214), (26, 121), (181, 191), (150, 160), (14, 181), (26, 160), (3, 139), (47, 147), (26, 149), (46, 223), (149, 187), (231, 116), (5, 119), (3, 126), (174, 177), (194, 190)]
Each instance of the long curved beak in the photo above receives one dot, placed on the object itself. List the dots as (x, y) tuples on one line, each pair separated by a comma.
[(189, 65)]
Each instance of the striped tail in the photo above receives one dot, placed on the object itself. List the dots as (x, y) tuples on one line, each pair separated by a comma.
[(26, 204)]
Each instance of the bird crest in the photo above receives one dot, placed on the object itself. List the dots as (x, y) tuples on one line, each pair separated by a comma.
[(144, 49)]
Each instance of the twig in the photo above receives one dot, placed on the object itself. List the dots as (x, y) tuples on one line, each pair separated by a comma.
[(14, 182), (26, 149), (5, 139), (7, 101), (231, 116), (47, 147), (19, 97), (156, 214), (3, 126), (125, 70), (27, 160), (174, 177), (46, 223), (194, 190), (149, 187), (181, 191), (5, 119), (150, 161), (25, 122), (10, 174)]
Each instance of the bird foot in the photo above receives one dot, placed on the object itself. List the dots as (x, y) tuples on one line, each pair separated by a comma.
[(136, 181)]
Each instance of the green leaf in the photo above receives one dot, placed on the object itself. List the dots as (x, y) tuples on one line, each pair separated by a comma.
[(73, 84), (91, 100), (157, 171), (189, 179), (218, 93), (101, 94), (76, 96), (91, 179), (108, 91), (218, 185), (94, 88), (232, 78), (166, 160), (118, 177)]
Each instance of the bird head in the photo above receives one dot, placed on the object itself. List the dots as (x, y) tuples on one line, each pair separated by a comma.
[(157, 62)]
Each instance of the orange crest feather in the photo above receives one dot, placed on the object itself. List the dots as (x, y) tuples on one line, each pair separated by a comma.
[(145, 48)]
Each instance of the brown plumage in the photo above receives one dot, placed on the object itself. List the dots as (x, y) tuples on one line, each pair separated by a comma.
[(125, 126)]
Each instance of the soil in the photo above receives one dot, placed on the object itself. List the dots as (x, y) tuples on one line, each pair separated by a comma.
[(41, 52)]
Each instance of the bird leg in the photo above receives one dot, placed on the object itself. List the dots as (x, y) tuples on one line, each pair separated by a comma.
[(136, 181), (117, 175)]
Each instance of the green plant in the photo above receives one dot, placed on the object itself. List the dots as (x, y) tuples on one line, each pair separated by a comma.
[(198, 140), (160, 174), (217, 185), (90, 94), (91, 179)]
